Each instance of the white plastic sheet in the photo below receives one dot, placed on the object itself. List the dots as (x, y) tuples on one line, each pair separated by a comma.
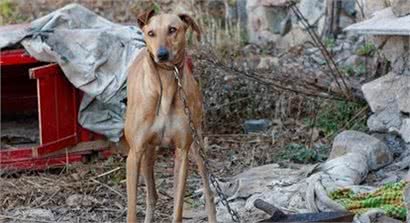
[(94, 54)]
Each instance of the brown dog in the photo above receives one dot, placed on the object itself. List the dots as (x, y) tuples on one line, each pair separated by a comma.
[(155, 114)]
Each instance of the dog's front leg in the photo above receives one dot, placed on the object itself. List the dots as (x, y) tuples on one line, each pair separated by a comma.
[(181, 163), (133, 171), (148, 171)]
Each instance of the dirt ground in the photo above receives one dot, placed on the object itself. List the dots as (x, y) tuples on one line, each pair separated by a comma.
[(96, 191)]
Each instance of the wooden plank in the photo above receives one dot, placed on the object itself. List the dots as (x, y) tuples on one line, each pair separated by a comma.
[(89, 146), (57, 109)]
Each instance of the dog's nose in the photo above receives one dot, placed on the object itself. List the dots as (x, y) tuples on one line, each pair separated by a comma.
[(162, 54)]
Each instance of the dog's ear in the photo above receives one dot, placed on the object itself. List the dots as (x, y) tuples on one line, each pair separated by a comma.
[(144, 18), (191, 23)]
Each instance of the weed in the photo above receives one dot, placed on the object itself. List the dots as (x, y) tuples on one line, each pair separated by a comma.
[(156, 7), (299, 153), (368, 50), (329, 42), (334, 115), (195, 203), (355, 70), (9, 13)]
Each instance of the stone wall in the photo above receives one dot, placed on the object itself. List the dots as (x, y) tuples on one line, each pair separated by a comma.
[(389, 96), (266, 21), (271, 21)]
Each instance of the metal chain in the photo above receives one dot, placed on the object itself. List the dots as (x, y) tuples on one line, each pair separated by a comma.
[(234, 215)]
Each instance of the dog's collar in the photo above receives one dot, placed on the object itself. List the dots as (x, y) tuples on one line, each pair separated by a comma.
[(179, 65), (171, 67)]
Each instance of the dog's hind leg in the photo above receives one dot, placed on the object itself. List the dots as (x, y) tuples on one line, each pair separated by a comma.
[(148, 162), (209, 199)]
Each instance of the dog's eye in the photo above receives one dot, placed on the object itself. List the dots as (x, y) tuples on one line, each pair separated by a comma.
[(172, 30), (151, 33)]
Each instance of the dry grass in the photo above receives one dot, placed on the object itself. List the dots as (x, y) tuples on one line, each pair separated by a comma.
[(101, 191)]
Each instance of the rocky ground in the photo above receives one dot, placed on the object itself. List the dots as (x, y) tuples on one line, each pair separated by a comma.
[(96, 192)]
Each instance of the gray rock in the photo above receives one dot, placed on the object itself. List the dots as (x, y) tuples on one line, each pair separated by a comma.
[(349, 7), (268, 62), (257, 125), (405, 130), (241, 12), (286, 25), (374, 215), (357, 142), (311, 50), (407, 178), (264, 21), (403, 97), (394, 142), (345, 21), (389, 179), (396, 50), (401, 7), (385, 219), (313, 10), (382, 92), (318, 58), (295, 37), (217, 9), (355, 60), (387, 120), (384, 22)]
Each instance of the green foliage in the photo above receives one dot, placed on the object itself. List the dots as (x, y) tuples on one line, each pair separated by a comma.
[(355, 70), (156, 7), (9, 13), (194, 203), (244, 38), (6, 8), (231, 2), (299, 153), (368, 50), (329, 42), (334, 115)]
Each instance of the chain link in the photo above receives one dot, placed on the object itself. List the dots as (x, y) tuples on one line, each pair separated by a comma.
[(215, 183)]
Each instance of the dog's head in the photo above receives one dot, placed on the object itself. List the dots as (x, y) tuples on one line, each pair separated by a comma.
[(165, 35)]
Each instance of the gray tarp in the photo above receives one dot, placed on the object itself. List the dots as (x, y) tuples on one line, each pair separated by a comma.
[(94, 55)]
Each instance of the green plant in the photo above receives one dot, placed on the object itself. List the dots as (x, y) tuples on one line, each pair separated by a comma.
[(9, 14), (355, 70), (156, 7), (299, 153), (195, 203), (334, 115), (368, 50), (329, 42)]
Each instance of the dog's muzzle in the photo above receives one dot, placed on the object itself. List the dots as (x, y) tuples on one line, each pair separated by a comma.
[(162, 54)]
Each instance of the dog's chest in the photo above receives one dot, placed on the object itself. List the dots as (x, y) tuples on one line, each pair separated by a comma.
[(169, 122)]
